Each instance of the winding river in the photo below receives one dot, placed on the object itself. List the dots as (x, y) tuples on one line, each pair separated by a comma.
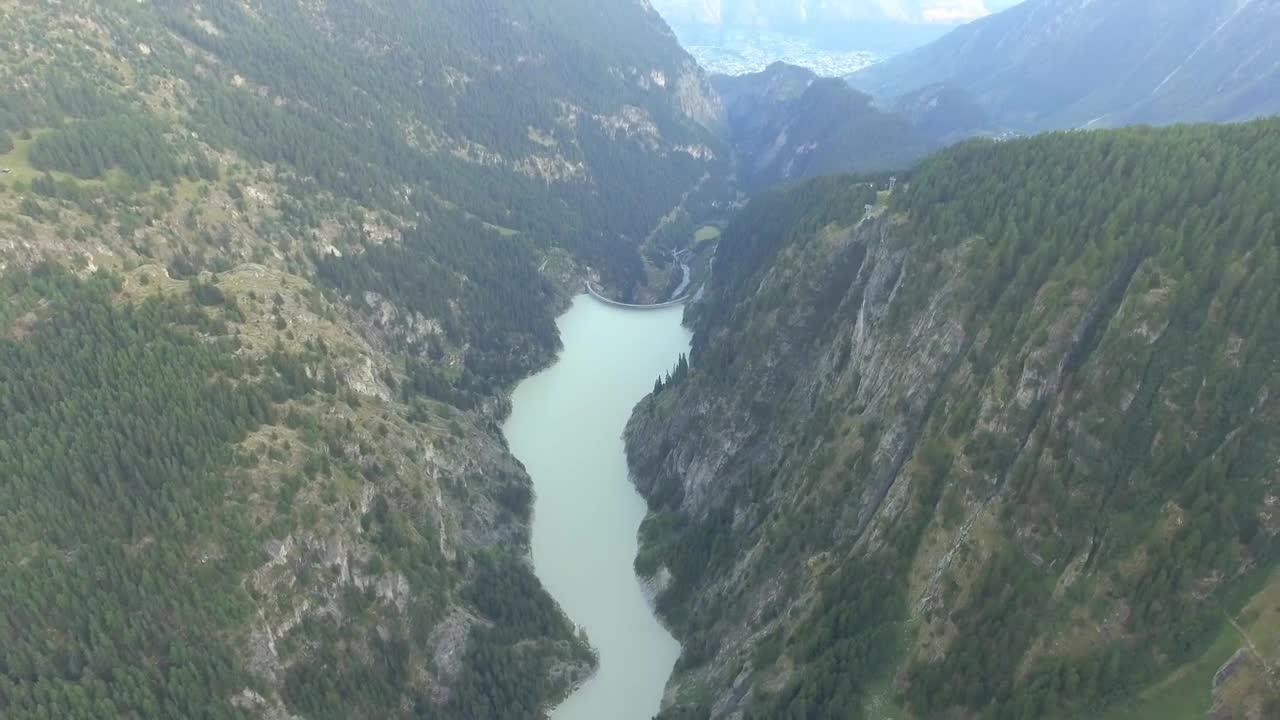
[(566, 427)]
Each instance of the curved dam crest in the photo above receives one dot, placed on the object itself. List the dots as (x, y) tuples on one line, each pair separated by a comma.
[(566, 427)]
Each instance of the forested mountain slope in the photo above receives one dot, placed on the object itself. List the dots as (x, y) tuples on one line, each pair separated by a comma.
[(1003, 448), (266, 269), (786, 124), (1048, 64)]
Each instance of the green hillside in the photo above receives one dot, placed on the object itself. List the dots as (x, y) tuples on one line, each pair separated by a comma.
[(267, 269), (1002, 448)]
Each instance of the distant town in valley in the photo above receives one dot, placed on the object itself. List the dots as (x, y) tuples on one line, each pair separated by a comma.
[(738, 52)]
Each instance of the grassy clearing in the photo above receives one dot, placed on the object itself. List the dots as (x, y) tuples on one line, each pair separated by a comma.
[(1254, 681), (503, 231), (188, 190), (705, 234), (879, 703), (1186, 693), (1260, 619), (18, 162)]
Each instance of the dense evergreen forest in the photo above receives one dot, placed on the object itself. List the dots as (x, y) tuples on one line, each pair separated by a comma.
[(505, 323), (121, 465), (90, 148), (114, 459), (1089, 325), (1179, 216), (349, 138)]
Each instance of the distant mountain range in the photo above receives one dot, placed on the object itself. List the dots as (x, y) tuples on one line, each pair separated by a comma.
[(1066, 63)]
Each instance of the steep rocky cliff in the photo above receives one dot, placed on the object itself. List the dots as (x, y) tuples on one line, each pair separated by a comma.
[(1002, 444)]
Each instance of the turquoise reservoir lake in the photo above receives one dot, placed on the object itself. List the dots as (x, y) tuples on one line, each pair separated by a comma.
[(566, 427)]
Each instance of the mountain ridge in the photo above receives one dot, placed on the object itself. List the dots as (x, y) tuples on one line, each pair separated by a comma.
[(1049, 64)]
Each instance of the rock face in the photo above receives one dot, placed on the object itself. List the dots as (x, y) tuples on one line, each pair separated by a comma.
[(943, 113), (897, 476), (752, 100), (1066, 63), (786, 124), (697, 100)]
